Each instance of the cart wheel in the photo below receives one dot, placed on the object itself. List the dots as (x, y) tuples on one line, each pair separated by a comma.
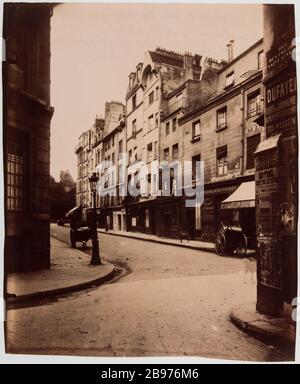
[(220, 244), (73, 242), (241, 249)]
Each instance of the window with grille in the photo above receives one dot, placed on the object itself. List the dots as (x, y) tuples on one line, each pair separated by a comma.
[(16, 170)]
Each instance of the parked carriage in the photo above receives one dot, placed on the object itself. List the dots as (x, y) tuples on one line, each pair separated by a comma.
[(80, 230), (231, 239)]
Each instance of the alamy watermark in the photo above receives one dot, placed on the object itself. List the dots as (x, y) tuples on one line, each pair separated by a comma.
[(152, 179)]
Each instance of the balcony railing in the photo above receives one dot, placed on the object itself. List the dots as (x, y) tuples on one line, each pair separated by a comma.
[(177, 105)]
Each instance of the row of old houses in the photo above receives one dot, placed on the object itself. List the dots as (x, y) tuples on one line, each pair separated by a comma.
[(181, 107)]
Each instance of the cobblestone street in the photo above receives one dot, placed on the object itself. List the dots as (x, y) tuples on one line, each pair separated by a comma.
[(172, 301)]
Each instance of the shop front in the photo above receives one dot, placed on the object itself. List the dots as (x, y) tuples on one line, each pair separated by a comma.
[(212, 214), (241, 206), (119, 220), (141, 217)]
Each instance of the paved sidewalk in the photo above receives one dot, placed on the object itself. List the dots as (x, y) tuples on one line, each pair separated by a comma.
[(280, 331), (70, 271), (192, 244)]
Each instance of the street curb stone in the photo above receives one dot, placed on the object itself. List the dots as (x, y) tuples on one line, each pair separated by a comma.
[(262, 327), (206, 249), (60, 291)]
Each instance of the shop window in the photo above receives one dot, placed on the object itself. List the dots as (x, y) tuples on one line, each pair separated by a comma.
[(147, 218), (254, 104), (221, 119), (252, 143), (222, 163)]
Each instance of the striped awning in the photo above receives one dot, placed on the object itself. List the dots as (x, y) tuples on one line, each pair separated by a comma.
[(242, 197)]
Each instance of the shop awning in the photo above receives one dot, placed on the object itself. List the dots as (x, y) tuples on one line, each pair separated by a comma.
[(242, 197)]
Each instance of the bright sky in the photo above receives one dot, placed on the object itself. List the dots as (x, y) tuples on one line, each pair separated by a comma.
[(94, 47)]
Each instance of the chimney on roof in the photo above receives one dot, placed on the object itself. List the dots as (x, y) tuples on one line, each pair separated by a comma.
[(188, 66), (61, 174), (230, 50)]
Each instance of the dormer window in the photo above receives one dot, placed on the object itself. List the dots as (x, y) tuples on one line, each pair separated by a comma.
[(229, 79), (131, 81)]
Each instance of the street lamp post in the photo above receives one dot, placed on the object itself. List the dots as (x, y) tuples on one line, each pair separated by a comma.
[(95, 256)]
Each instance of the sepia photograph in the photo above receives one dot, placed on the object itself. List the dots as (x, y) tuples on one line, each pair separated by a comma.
[(150, 180)]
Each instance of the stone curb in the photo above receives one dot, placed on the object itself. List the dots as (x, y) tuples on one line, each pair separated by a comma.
[(59, 291), (262, 333), (212, 250)]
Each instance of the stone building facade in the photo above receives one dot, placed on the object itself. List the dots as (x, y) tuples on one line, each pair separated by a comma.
[(223, 133), (82, 151), (27, 116), (148, 98), (184, 107), (94, 146)]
